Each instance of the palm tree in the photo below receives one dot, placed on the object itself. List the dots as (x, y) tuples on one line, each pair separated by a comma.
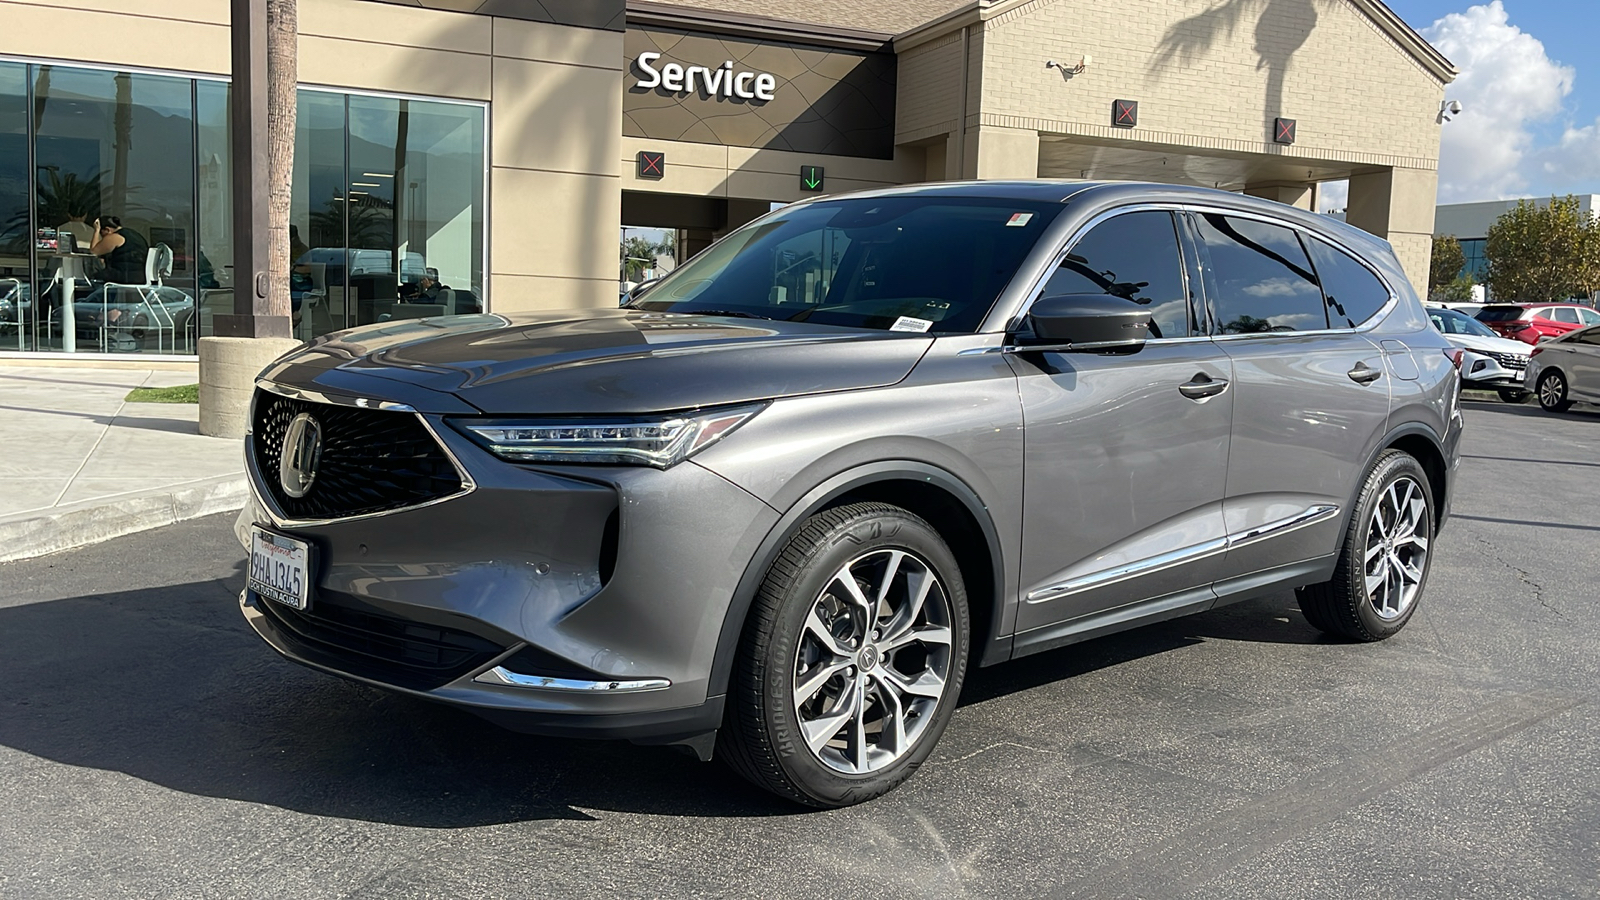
[(283, 28), (639, 253)]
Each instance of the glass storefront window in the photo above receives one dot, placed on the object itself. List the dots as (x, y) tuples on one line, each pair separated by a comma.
[(386, 216), (16, 282)]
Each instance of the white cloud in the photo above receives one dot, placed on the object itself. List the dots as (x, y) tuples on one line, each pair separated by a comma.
[(1507, 83), (1575, 159), (1332, 195)]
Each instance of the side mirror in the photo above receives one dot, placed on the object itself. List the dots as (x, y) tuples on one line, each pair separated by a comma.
[(1087, 322)]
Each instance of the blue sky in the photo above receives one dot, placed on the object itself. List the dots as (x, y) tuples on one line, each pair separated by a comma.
[(1532, 96)]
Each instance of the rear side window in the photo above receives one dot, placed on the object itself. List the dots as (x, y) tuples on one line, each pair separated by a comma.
[(1562, 314), (1352, 292), (1133, 256), (1260, 279), (1499, 314)]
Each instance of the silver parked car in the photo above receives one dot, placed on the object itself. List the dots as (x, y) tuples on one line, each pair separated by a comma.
[(1491, 362), (1565, 370), (778, 504)]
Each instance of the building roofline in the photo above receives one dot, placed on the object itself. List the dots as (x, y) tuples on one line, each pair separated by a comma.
[(648, 13), (1378, 12)]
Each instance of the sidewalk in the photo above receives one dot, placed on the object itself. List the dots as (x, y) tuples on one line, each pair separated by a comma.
[(79, 465)]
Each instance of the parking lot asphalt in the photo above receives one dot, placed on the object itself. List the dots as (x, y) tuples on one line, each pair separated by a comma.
[(152, 746)]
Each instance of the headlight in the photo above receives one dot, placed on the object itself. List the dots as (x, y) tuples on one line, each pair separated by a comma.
[(660, 441)]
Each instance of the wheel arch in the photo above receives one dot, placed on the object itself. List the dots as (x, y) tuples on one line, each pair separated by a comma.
[(1423, 445), (951, 506)]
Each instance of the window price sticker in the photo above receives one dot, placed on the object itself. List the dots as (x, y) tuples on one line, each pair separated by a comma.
[(907, 323), (1018, 220)]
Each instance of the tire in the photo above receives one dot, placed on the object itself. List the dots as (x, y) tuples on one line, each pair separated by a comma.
[(1553, 391), (1393, 523), (1513, 395), (810, 676)]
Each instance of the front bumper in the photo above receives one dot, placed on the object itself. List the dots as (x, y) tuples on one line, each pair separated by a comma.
[(580, 601), (1486, 372)]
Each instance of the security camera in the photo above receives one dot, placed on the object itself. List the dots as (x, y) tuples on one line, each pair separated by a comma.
[(1455, 107)]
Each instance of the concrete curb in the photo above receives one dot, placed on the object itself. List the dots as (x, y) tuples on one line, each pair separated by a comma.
[(41, 531)]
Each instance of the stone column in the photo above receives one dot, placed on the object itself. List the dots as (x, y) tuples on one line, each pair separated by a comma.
[(1002, 153), (1290, 193), (1398, 204)]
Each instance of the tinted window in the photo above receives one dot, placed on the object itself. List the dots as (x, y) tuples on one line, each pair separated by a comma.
[(864, 263), (1353, 293), (1260, 279), (1587, 336), (1560, 314), (1449, 321), (1133, 256), (1500, 313)]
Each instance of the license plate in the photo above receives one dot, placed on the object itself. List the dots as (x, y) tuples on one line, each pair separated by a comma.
[(280, 568)]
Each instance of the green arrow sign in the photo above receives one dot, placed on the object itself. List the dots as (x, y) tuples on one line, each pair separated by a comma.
[(810, 178)]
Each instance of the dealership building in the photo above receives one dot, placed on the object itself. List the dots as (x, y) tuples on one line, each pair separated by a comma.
[(457, 155)]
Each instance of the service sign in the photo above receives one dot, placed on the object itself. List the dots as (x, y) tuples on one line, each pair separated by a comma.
[(713, 89)]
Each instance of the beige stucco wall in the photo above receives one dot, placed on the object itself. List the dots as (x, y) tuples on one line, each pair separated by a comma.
[(555, 96), (1358, 96), (713, 170), (1209, 79)]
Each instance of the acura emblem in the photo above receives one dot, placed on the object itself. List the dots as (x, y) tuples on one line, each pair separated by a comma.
[(302, 450)]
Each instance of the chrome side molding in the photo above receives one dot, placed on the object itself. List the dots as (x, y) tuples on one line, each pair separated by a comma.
[(1309, 516), (1129, 570), (504, 676)]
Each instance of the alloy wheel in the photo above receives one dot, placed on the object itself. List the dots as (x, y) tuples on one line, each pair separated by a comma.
[(1552, 390), (1396, 555), (873, 661)]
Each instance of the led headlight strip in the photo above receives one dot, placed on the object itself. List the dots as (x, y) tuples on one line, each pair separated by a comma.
[(636, 441)]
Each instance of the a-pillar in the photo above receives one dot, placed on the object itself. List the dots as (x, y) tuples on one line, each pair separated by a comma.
[(1290, 193), (1001, 153), (1398, 205)]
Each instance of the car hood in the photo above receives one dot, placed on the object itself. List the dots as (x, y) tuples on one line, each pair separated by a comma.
[(594, 362), (1480, 344)]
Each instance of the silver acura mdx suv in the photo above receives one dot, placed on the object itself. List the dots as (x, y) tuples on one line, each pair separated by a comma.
[(776, 505)]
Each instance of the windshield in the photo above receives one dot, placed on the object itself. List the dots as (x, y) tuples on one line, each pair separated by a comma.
[(1500, 313), (1449, 321), (911, 263)]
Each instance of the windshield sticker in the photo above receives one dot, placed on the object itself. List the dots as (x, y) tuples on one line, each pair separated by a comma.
[(907, 323), (1018, 220)]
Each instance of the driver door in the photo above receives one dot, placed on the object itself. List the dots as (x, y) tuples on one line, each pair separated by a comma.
[(1125, 454)]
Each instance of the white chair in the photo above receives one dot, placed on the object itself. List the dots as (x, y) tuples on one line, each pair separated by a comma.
[(156, 316)]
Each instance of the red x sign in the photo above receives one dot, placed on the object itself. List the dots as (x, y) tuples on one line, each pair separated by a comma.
[(1283, 131), (1125, 113), (652, 164)]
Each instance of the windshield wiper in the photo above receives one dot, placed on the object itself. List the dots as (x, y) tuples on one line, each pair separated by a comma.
[(730, 313)]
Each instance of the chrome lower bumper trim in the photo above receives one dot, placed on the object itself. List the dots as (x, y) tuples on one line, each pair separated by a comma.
[(501, 675)]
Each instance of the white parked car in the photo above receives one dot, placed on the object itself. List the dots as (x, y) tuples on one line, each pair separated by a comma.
[(1491, 362), (1566, 369)]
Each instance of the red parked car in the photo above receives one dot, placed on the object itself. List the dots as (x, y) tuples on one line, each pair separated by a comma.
[(1533, 322)]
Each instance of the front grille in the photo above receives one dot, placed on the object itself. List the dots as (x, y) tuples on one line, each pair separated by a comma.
[(1511, 360), (371, 460), (384, 648)]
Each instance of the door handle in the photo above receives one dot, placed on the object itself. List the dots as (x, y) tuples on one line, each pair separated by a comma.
[(1363, 374), (1202, 386)]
